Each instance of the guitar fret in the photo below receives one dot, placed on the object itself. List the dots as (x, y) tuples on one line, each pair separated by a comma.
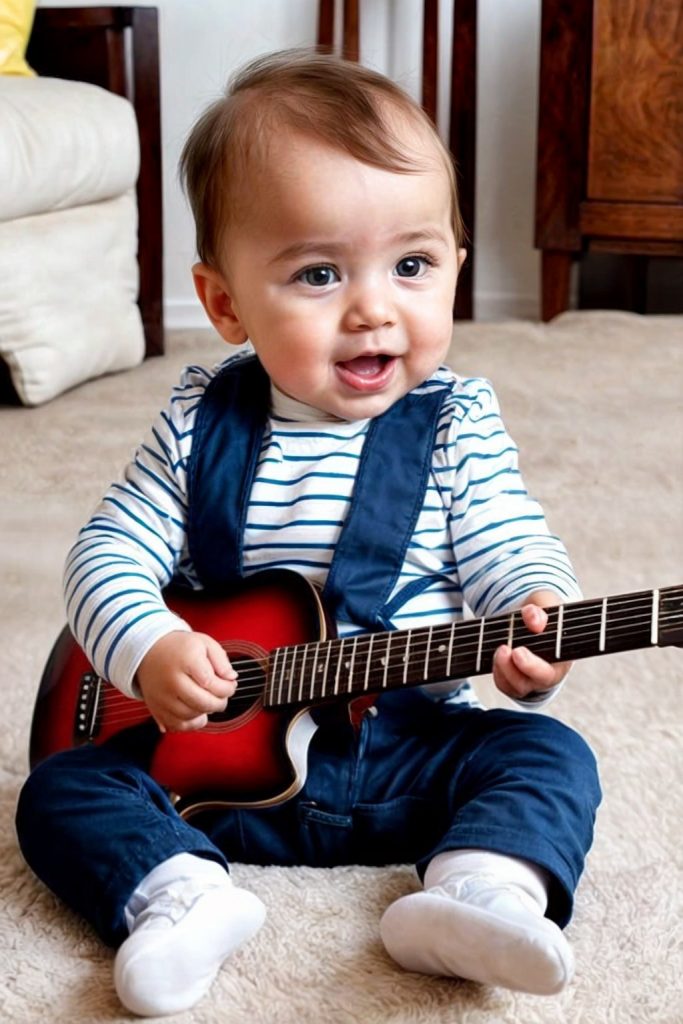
[(368, 660), (450, 651), (603, 626), (285, 652), (406, 656), (340, 659), (313, 671), (480, 644), (290, 675), (269, 693), (328, 656), (386, 661), (302, 673), (425, 674), (654, 629), (350, 665), (558, 641)]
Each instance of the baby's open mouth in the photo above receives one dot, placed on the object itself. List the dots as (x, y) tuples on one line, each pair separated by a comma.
[(366, 366), (368, 374)]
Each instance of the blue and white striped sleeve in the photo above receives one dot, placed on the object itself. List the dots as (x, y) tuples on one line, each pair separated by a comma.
[(133, 545), (504, 549)]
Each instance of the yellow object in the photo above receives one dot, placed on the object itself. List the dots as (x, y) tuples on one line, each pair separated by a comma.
[(16, 19)]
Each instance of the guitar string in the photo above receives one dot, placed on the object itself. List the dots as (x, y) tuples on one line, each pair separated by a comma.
[(133, 709), (246, 689), (538, 640)]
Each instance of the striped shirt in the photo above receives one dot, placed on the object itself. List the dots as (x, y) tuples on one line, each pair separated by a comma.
[(479, 535)]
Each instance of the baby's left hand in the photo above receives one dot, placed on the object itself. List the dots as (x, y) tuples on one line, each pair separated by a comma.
[(517, 672)]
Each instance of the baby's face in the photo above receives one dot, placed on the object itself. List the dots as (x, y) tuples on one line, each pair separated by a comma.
[(343, 276)]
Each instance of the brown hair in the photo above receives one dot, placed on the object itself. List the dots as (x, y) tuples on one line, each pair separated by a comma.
[(341, 103)]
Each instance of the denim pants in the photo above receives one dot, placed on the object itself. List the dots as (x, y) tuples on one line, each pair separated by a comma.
[(415, 779)]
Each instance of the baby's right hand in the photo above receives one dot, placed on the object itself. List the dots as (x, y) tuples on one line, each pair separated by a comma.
[(183, 678)]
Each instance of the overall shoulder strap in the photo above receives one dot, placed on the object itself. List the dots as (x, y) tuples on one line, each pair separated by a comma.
[(226, 442), (387, 498), (388, 492)]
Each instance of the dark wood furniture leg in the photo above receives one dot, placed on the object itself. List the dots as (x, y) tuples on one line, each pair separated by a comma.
[(555, 275), (463, 138), (564, 91), (117, 48)]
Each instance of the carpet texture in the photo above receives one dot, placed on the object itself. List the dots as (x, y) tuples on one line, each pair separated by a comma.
[(594, 401)]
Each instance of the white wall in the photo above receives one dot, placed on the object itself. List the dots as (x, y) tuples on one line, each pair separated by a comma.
[(202, 41)]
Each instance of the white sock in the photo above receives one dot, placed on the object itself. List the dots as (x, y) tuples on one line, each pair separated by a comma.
[(453, 865), (185, 918), (182, 865), (480, 917)]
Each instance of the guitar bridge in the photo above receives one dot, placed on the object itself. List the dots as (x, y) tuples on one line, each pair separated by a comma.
[(88, 713)]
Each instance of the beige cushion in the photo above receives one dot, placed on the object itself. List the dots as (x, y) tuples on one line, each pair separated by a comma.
[(68, 288), (63, 144)]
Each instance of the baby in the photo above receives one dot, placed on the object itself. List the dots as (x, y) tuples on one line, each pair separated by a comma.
[(340, 447)]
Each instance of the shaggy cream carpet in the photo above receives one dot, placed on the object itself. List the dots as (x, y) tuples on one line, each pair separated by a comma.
[(595, 403)]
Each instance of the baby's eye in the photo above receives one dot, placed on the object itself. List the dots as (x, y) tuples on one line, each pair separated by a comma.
[(318, 277), (412, 266)]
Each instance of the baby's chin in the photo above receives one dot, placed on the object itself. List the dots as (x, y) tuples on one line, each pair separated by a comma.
[(365, 407)]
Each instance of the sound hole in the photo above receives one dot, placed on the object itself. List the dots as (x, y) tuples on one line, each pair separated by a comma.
[(251, 682)]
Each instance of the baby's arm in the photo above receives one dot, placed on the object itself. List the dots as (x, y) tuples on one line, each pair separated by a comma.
[(131, 548), (506, 556), (183, 678), (517, 672)]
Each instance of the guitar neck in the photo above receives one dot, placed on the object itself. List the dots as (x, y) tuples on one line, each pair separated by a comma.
[(373, 662)]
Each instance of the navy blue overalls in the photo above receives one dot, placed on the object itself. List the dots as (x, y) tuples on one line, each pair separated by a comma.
[(416, 778)]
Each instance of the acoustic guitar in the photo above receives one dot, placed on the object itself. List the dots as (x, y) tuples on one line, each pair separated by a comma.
[(280, 640)]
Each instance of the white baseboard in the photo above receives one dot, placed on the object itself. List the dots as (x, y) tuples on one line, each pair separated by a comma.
[(186, 314), (506, 306)]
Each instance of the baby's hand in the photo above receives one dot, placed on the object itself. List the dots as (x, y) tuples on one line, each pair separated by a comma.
[(183, 678), (517, 672)]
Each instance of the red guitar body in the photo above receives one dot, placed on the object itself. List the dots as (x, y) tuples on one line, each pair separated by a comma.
[(251, 756)]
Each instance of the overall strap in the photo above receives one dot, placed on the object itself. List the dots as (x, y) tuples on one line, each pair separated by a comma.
[(226, 443), (388, 495)]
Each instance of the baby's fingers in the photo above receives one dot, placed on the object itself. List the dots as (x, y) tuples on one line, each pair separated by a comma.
[(219, 659), (534, 618), (178, 716), (212, 670), (172, 723), (200, 699), (517, 672), (220, 662)]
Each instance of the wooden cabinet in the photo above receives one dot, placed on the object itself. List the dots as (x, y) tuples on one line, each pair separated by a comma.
[(610, 134)]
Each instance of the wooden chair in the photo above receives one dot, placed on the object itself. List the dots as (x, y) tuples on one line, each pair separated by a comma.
[(463, 92), (117, 48)]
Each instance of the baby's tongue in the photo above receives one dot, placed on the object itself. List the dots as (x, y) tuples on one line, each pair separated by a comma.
[(364, 366)]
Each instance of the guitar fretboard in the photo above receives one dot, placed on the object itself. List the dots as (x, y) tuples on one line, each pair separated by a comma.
[(372, 662)]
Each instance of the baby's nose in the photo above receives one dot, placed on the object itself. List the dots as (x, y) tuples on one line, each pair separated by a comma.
[(370, 307)]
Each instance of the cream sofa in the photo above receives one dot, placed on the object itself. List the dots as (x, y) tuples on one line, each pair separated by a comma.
[(69, 160)]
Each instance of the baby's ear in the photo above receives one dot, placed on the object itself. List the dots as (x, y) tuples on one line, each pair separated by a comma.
[(214, 295)]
